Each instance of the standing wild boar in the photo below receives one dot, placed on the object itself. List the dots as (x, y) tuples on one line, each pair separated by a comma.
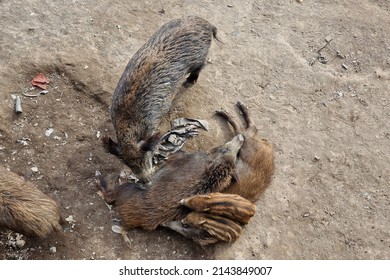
[(148, 85)]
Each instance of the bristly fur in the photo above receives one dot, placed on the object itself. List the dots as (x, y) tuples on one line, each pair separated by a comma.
[(182, 175), (253, 174), (230, 206), (256, 161), (213, 228), (150, 81), (24, 208)]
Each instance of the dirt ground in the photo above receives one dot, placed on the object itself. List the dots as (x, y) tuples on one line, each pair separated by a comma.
[(314, 74)]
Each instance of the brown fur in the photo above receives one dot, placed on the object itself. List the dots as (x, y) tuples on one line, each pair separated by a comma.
[(230, 206), (24, 208), (148, 85), (256, 161), (253, 173), (183, 175), (206, 228)]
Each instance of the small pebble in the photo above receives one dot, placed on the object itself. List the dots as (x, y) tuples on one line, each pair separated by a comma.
[(117, 229), (48, 132), (70, 219), (19, 241)]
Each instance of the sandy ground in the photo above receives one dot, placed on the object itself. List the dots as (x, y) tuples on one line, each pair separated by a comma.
[(324, 106)]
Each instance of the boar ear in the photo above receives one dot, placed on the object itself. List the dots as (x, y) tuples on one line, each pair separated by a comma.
[(101, 183), (150, 143), (235, 178), (111, 146)]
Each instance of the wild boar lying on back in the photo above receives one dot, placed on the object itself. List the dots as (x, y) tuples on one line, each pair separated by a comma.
[(219, 216), (183, 175)]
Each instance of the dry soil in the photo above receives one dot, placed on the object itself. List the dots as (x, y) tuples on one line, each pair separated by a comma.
[(315, 75)]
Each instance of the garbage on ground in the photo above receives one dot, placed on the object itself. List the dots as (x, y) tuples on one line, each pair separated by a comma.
[(18, 105), (40, 81)]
